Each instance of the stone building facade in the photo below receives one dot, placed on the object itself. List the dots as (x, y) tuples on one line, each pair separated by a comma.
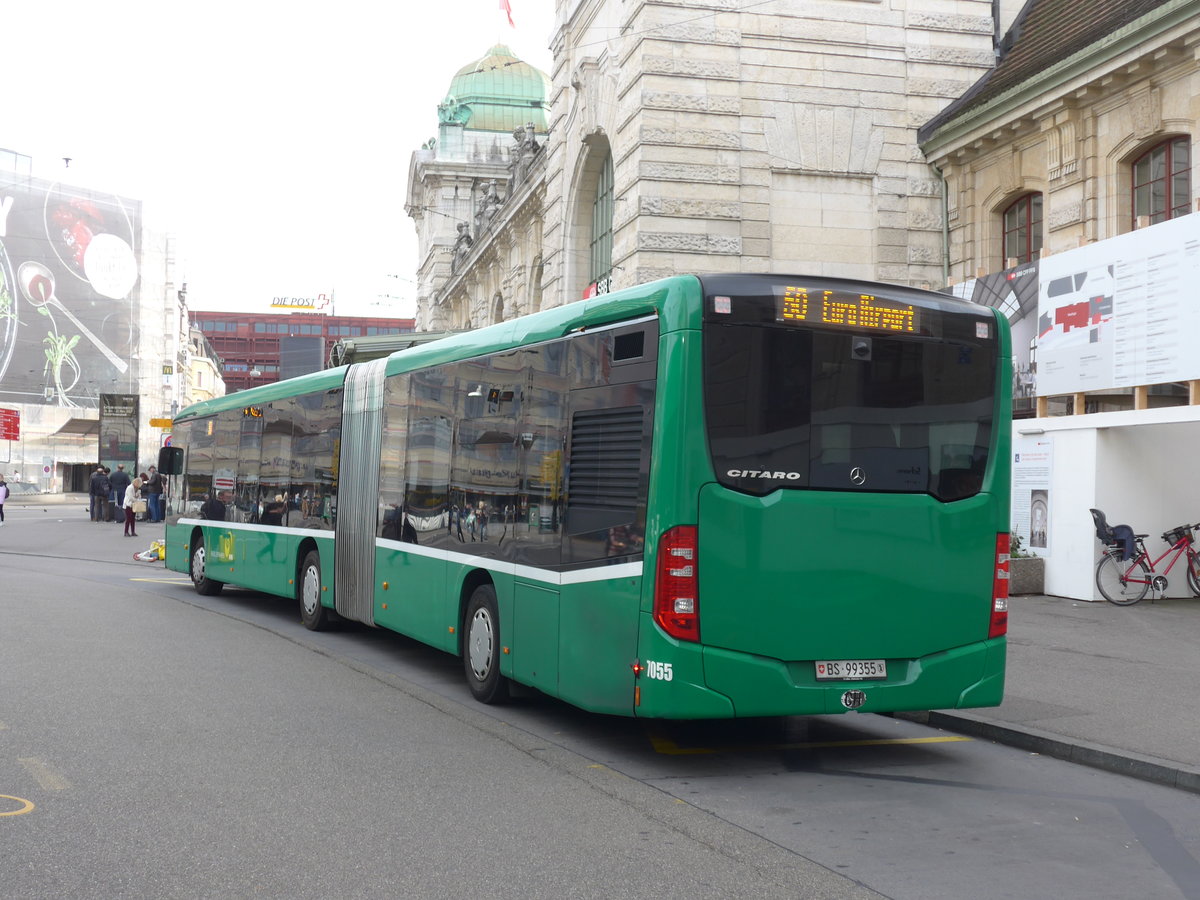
[(697, 136), (476, 194), (1083, 131)]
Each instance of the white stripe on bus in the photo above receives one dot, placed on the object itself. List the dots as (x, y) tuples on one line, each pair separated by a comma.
[(504, 567)]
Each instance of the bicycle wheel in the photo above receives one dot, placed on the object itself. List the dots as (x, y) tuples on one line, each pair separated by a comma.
[(1193, 569), (1121, 582)]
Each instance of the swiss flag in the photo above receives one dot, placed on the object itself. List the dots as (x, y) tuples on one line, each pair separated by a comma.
[(507, 7)]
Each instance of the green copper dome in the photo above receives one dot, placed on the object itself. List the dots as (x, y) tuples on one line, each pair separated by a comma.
[(498, 92)]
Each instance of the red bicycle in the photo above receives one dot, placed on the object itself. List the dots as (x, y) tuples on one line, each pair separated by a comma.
[(1125, 581)]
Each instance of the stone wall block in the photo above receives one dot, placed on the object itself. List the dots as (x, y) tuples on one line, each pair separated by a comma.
[(949, 88), (894, 274), (691, 137), (691, 67), (921, 221), (924, 256), (752, 230), (697, 32), (950, 22), (691, 102), (924, 187), (950, 56), (1064, 215), (689, 209), (661, 171), (678, 242)]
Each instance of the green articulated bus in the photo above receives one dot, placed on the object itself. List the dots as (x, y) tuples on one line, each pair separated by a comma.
[(703, 497)]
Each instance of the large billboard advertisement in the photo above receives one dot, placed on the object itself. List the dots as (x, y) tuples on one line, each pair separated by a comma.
[(1122, 312), (68, 273), (1015, 293), (119, 431)]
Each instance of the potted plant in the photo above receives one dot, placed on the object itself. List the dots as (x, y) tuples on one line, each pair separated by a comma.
[(1026, 572)]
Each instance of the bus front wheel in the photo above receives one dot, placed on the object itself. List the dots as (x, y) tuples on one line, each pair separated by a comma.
[(308, 589), (200, 580), (481, 647)]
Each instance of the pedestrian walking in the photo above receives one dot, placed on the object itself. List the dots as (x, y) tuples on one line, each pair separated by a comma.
[(3, 497), (131, 492)]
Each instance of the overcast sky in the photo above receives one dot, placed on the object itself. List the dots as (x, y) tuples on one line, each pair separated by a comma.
[(272, 138)]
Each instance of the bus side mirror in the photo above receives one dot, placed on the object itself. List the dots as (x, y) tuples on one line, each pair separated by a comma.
[(170, 461)]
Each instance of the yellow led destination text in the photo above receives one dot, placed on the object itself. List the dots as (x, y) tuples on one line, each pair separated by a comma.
[(865, 314), (862, 311), (795, 304)]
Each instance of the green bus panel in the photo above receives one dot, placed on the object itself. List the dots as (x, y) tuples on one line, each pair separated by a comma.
[(415, 601), (598, 644), (883, 576), (261, 559)]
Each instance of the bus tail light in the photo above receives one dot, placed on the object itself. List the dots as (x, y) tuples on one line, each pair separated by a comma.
[(676, 586), (999, 620)]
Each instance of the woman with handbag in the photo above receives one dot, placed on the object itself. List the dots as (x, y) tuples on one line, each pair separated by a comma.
[(131, 494)]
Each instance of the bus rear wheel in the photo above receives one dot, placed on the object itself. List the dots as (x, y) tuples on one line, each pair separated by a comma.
[(481, 647), (198, 568), (308, 591)]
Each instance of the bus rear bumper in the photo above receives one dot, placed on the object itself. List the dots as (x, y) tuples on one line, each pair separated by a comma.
[(960, 678)]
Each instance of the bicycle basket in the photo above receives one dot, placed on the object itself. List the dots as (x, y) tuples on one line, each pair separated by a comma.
[(1175, 535)]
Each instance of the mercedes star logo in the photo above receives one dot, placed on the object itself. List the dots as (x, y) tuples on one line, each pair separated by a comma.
[(858, 476)]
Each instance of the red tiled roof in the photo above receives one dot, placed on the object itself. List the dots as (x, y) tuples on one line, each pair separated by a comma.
[(1044, 33)]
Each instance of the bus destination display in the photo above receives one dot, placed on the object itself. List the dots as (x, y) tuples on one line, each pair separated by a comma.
[(795, 305)]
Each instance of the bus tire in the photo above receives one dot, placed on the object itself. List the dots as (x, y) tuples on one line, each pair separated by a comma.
[(481, 647), (198, 568), (308, 591)]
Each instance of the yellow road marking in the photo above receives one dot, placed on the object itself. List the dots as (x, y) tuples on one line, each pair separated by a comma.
[(41, 772), (26, 805), (668, 747)]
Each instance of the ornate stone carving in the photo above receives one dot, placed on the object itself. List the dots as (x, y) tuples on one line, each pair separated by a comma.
[(1064, 215), (462, 246), (1062, 151), (1146, 110), (451, 112), (522, 153), (489, 205)]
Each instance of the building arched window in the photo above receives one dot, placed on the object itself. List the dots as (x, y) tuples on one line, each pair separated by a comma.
[(1162, 181), (602, 220), (1023, 229)]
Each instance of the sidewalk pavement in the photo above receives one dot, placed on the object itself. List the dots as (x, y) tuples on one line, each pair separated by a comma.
[(1117, 688)]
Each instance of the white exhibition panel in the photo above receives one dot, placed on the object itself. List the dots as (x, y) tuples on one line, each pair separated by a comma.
[(1133, 465), (1121, 312)]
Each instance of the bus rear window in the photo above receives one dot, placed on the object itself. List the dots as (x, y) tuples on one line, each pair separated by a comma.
[(828, 409)]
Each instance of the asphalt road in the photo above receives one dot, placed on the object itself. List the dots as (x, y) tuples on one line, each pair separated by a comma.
[(155, 743)]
